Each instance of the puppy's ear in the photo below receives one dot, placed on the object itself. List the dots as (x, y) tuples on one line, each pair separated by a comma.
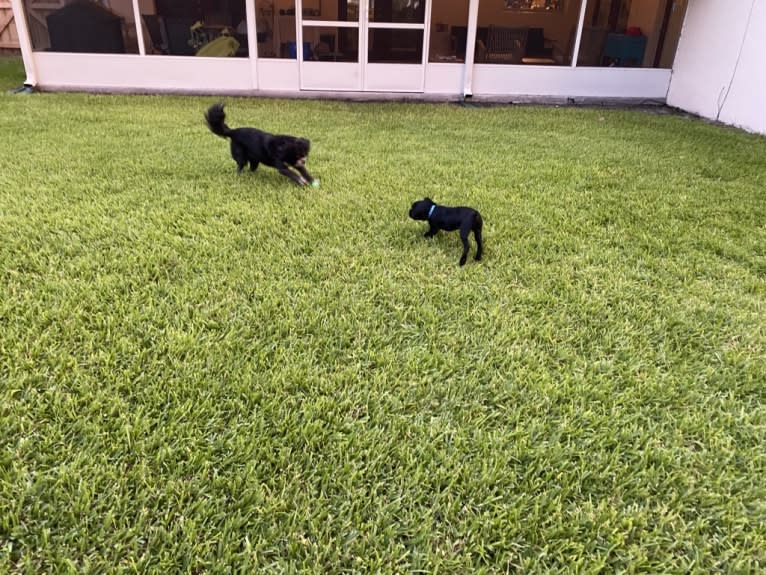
[(429, 200)]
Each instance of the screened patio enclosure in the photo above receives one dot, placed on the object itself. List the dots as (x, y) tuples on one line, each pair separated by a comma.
[(554, 48)]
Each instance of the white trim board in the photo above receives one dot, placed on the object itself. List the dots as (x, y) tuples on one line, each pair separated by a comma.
[(126, 72)]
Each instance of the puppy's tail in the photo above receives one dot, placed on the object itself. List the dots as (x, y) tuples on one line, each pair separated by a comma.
[(215, 117)]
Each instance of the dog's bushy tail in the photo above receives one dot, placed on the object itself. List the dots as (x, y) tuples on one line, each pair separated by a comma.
[(215, 118)]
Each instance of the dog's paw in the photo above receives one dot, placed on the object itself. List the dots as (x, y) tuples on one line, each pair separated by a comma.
[(462, 261)]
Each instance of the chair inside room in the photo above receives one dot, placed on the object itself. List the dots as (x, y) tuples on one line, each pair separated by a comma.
[(536, 51), (505, 45)]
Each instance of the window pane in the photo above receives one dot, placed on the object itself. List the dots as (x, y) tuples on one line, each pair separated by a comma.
[(631, 33), (205, 28), (265, 29), (395, 46), (338, 10), (82, 26), (276, 28), (535, 32), (331, 44), (449, 25), (399, 11)]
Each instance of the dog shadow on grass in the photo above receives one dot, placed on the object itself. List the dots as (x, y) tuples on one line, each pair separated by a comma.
[(445, 247)]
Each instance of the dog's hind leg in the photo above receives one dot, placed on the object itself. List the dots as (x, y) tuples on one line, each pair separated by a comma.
[(239, 154), (465, 229), (477, 225)]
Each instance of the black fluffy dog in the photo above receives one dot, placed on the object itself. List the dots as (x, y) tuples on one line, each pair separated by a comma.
[(249, 145), (449, 219)]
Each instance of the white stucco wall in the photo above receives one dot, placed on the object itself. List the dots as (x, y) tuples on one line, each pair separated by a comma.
[(720, 67)]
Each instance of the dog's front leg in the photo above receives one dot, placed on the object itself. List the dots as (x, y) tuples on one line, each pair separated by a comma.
[(308, 177), (285, 171), (432, 229)]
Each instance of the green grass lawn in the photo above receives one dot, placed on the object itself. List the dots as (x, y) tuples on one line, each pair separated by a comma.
[(205, 372), (11, 73)]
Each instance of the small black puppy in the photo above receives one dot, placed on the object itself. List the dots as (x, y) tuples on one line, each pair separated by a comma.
[(249, 145), (449, 219)]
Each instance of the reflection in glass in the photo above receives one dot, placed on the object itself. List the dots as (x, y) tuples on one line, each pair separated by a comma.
[(631, 33), (399, 11), (449, 27), (395, 46), (333, 10), (83, 26), (205, 28), (534, 5), (330, 44), (275, 23), (541, 38)]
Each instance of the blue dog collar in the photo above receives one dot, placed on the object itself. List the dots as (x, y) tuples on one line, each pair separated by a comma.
[(431, 211)]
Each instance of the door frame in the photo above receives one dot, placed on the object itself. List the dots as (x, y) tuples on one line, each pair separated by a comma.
[(375, 77), (336, 74)]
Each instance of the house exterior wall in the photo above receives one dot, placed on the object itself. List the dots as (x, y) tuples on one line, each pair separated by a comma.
[(719, 70)]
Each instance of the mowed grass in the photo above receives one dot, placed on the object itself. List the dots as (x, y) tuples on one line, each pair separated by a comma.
[(11, 73), (211, 373)]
